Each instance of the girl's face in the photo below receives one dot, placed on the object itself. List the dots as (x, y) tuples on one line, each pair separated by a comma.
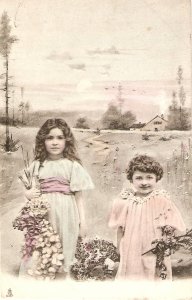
[(143, 182), (55, 143)]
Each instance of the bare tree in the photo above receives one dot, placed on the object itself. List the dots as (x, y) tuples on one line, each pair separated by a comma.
[(120, 100), (27, 108), (6, 41), (22, 110), (179, 74), (13, 108), (181, 93)]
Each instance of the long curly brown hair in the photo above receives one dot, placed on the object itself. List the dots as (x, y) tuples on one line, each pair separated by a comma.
[(70, 145), (144, 163)]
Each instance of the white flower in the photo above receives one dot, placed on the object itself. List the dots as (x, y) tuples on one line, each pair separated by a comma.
[(57, 239), (38, 272), (36, 254), (54, 261), (110, 263), (49, 251), (54, 249), (75, 260), (52, 270), (30, 272), (60, 256), (58, 245), (45, 261), (52, 238)]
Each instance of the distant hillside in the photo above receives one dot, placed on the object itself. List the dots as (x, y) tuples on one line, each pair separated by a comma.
[(37, 118)]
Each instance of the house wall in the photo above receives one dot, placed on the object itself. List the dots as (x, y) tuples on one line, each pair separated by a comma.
[(157, 124)]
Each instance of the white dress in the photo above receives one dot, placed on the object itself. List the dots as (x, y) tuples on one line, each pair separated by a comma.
[(63, 213)]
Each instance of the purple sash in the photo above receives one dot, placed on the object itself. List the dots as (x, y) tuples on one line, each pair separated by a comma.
[(55, 184)]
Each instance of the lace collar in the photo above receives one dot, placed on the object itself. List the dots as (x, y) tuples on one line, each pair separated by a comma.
[(128, 194)]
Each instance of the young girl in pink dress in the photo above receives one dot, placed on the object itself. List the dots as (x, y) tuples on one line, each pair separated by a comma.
[(138, 215), (62, 179)]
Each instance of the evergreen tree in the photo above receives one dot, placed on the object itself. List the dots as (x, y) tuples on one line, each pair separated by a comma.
[(127, 119), (27, 108), (179, 116), (113, 118), (82, 123)]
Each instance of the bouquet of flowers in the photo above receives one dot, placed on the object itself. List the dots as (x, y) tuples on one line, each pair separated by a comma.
[(95, 259), (42, 243), (168, 244)]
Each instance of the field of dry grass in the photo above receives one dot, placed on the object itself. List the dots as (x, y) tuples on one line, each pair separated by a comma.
[(97, 154)]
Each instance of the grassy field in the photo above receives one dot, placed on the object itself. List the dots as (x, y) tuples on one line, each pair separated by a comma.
[(97, 154)]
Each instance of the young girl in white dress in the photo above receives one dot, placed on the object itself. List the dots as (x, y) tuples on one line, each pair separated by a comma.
[(62, 179)]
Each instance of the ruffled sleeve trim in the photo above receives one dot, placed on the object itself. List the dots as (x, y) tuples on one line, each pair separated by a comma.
[(80, 179), (118, 214)]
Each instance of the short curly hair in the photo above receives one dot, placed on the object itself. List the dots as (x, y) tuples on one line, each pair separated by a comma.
[(144, 163)]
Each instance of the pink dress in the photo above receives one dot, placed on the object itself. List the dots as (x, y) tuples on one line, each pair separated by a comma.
[(141, 219)]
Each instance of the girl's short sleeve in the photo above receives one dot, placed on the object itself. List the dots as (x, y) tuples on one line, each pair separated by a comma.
[(173, 217), (169, 214), (118, 214), (80, 179)]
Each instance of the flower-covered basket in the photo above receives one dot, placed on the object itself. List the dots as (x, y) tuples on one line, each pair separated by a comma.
[(95, 259), (42, 243)]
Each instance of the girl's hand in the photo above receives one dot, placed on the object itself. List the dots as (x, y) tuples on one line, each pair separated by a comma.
[(120, 234), (82, 230), (32, 193)]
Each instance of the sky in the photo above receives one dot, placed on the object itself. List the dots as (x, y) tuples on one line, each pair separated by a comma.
[(73, 54)]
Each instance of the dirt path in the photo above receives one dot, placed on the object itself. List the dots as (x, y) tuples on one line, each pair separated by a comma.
[(100, 148)]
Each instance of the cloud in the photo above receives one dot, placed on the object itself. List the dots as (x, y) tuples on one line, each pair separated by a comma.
[(81, 67), (106, 67), (59, 57), (112, 50)]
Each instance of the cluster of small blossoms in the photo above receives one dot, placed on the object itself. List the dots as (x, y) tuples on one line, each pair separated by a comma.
[(95, 259), (42, 243), (163, 248), (170, 244)]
